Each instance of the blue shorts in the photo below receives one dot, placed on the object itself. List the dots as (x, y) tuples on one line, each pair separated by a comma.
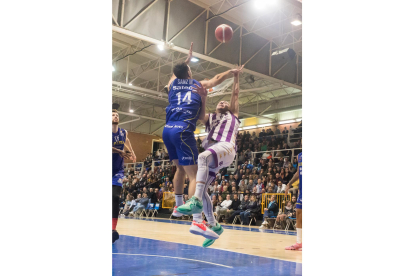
[(117, 179), (180, 143), (299, 201)]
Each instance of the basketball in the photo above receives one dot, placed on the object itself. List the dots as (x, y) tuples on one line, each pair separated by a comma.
[(224, 33)]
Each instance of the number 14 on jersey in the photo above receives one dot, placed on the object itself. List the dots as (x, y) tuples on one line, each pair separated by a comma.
[(187, 97)]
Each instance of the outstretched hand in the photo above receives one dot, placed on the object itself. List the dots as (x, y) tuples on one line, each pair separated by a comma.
[(190, 54), (200, 90), (237, 70)]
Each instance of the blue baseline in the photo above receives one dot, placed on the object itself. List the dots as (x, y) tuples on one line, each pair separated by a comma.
[(232, 227), (156, 257)]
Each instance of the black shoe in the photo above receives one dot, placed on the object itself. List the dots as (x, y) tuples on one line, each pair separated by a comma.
[(115, 236)]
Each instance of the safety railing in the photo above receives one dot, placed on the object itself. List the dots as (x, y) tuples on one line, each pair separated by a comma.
[(163, 163), (138, 166), (272, 152), (280, 199), (168, 200)]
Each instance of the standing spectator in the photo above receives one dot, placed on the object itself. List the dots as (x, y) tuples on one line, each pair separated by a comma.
[(152, 196)]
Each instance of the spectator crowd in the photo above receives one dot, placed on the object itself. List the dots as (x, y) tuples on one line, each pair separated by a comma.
[(234, 192)]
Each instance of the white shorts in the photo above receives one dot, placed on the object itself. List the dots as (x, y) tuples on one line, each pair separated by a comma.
[(223, 154)]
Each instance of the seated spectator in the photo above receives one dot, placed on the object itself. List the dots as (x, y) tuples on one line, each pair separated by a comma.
[(233, 207), (281, 218), (259, 186), (270, 211), (243, 206), (233, 190), (250, 185), (242, 186), (223, 207), (185, 199), (244, 216), (127, 206), (280, 187), (214, 201), (225, 191), (286, 163), (220, 200), (142, 203), (295, 163)]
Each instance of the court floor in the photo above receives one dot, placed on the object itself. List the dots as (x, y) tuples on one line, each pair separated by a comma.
[(166, 247)]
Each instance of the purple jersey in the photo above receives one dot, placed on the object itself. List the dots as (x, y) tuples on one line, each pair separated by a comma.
[(222, 127)]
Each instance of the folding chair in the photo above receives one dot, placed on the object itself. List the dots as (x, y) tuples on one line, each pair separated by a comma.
[(252, 217), (237, 218), (155, 210), (290, 221), (144, 212), (150, 209)]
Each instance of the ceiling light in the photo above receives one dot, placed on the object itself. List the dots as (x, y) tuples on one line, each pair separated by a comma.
[(130, 83), (298, 120), (259, 4), (297, 20), (203, 134), (265, 125), (113, 68), (132, 111), (161, 46), (286, 122), (249, 127), (194, 59)]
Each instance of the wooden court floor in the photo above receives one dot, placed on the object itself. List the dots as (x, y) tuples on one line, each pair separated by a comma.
[(269, 244)]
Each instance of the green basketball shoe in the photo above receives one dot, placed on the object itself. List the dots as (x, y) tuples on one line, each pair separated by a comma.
[(218, 230), (193, 206)]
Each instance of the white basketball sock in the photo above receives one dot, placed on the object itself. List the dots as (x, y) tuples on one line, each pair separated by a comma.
[(179, 200), (299, 236), (198, 218)]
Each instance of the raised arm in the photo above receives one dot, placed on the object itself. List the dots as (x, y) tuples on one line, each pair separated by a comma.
[(187, 61), (203, 117), (234, 101), (219, 78)]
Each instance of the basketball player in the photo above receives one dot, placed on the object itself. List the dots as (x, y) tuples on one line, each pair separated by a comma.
[(187, 105), (298, 175), (119, 140), (220, 145)]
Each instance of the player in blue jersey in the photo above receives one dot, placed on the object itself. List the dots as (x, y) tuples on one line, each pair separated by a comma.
[(121, 149), (298, 175), (187, 99)]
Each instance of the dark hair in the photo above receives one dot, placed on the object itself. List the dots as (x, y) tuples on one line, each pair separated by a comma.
[(114, 110), (181, 70)]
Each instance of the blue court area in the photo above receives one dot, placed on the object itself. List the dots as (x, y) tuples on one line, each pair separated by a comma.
[(140, 256), (233, 227)]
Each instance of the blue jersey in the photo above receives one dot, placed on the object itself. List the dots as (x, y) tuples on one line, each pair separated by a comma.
[(185, 105), (118, 141), (300, 170)]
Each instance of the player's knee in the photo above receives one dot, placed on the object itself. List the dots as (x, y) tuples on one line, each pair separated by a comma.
[(204, 159)]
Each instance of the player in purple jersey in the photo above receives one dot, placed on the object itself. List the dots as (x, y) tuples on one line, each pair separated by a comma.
[(298, 175), (220, 145), (187, 99), (120, 142)]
